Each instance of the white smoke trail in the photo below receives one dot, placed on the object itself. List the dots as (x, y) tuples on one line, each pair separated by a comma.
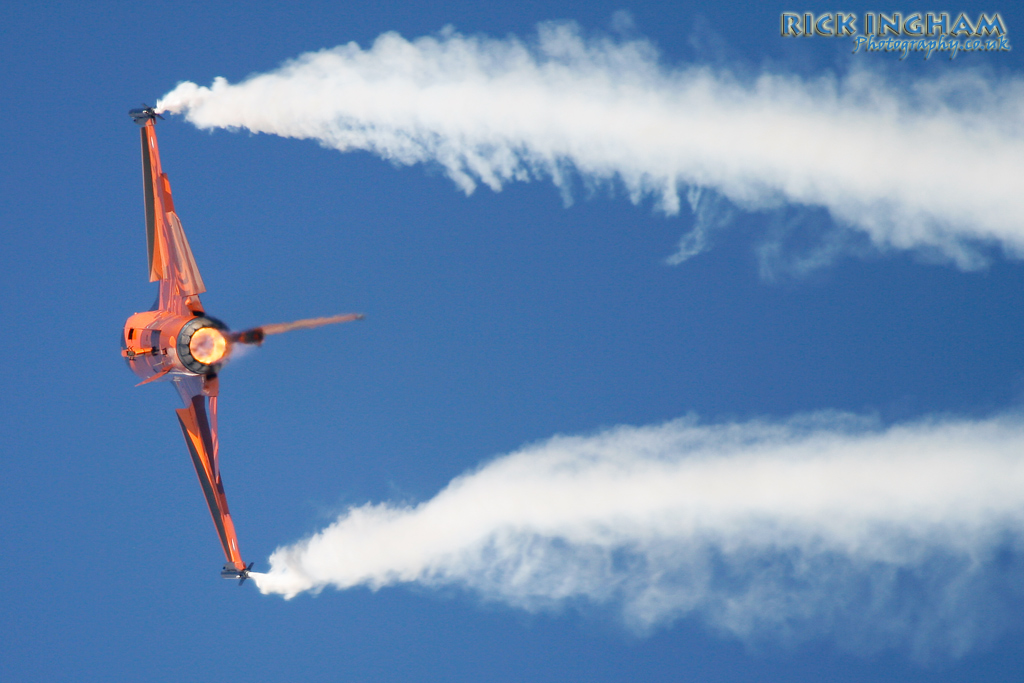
[(823, 523), (937, 167)]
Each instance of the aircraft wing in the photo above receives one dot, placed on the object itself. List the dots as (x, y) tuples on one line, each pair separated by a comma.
[(198, 421), (170, 258)]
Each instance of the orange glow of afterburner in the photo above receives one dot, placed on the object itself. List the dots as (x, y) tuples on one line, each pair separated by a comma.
[(208, 345)]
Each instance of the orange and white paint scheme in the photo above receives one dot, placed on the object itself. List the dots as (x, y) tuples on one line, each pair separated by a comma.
[(177, 342)]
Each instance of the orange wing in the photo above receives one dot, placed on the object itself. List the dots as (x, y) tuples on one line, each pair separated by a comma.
[(170, 258), (172, 264), (199, 425)]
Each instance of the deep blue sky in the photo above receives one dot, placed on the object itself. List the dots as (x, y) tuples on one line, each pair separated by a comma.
[(492, 321)]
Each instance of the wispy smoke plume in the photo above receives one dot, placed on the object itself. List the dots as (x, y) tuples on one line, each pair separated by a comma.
[(936, 167), (825, 524)]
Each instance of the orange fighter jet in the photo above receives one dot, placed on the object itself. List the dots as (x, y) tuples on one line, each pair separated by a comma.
[(176, 341)]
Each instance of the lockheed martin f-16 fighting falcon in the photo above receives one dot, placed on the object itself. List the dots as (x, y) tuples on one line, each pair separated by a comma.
[(176, 341)]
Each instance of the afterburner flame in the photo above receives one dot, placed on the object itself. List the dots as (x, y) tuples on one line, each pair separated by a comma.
[(208, 345)]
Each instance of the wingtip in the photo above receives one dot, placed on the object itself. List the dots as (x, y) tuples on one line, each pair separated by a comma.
[(146, 113), (232, 572)]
